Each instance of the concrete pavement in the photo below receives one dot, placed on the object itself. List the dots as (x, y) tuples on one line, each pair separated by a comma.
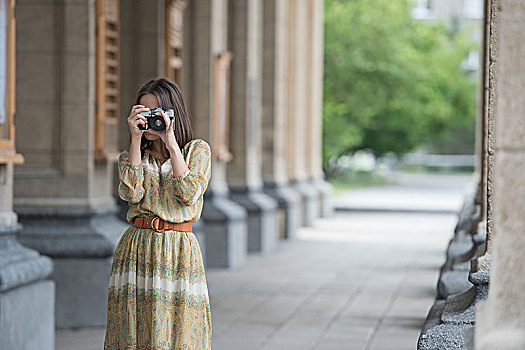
[(355, 281), (358, 280)]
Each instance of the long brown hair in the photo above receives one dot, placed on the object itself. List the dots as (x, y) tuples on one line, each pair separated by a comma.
[(169, 96)]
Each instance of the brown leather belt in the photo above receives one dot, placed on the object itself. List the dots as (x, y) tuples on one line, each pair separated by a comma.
[(159, 225)]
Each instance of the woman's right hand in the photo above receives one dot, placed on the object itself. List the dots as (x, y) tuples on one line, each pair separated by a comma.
[(135, 119)]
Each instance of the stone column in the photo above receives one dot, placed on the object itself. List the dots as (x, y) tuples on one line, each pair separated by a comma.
[(142, 53), (62, 196), (224, 222), (274, 123), (27, 298), (501, 318), (296, 97), (483, 262), (142, 59), (314, 106), (487, 138), (244, 171)]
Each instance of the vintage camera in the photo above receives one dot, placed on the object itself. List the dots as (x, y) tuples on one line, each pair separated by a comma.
[(155, 120)]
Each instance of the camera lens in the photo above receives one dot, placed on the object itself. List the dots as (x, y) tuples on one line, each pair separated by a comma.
[(157, 123)]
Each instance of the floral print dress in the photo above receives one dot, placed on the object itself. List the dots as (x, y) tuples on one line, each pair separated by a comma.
[(158, 295)]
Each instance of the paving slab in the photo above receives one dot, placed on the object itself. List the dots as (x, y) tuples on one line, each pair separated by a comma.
[(357, 280)]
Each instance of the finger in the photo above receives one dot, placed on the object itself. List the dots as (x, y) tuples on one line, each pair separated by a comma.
[(142, 109), (137, 122), (135, 108), (137, 113), (166, 120)]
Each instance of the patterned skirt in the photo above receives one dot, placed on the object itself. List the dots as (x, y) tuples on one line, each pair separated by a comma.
[(158, 295)]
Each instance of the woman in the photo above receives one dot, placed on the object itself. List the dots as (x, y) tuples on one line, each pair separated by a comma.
[(158, 296)]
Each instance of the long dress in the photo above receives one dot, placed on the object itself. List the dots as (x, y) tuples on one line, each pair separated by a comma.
[(158, 295)]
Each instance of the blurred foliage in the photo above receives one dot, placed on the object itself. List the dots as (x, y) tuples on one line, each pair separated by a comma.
[(391, 83), (454, 141)]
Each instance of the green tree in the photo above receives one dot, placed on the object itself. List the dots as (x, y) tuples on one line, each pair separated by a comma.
[(391, 83)]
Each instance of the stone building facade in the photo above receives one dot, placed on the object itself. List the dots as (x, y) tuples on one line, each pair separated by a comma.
[(251, 75), (480, 290)]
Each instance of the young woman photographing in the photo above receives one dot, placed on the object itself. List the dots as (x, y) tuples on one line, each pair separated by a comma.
[(158, 295)]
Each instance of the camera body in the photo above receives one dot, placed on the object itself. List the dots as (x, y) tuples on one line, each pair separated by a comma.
[(155, 120)]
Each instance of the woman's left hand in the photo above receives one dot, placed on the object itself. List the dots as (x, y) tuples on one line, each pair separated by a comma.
[(167, 136)]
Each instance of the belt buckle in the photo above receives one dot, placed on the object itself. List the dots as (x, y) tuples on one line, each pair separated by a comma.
[(153, 224)]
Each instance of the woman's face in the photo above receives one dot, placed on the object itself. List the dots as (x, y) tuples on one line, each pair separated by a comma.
[(150, 101)]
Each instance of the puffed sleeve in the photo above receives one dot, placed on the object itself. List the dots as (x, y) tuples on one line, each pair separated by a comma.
[(131, 177), (189, 186)]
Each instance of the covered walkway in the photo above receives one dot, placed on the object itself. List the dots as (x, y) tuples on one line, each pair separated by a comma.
[(355, 281), (358, 280)]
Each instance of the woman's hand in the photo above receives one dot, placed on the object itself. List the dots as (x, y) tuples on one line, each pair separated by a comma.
[(167, 136), (135, 119)]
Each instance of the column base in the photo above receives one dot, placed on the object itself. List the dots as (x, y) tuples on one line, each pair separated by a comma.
[(81, 291), (27, 317), (289, 209), (262, 219), (310, 201), (326, 191), (450, 322), (201, 238), (454, 274), (64, 233), (225, 230), (27, 298), (122, 210), (81, 243)]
